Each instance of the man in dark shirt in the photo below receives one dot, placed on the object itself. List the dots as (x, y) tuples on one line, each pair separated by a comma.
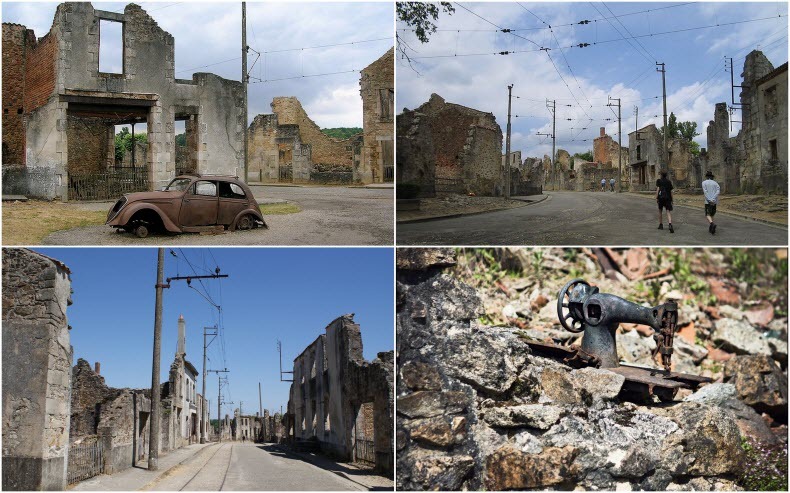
[(664, 199)]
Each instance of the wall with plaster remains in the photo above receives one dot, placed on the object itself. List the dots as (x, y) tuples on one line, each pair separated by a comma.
[(66, 83), (377, 88), (36, 371), (332, 382)]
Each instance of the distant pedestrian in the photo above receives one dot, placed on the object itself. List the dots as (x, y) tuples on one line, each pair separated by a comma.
[(664, 199), (603, 184), (711, 190), (611, 183)]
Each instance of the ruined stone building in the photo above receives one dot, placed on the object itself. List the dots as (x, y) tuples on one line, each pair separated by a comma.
[(187, 410), (646, 160), (118, 418), (377, 88), (37, 357), (755, 161), (342, 401), (446, 147), (273, 429), (287, 146), (607, 152), (59, 110), (247, 426)]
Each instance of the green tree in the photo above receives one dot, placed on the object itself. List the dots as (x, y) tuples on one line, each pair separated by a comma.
[(341, 132), (585, 156), (421, 16), (123, 142), (181, 140), (684, 130)]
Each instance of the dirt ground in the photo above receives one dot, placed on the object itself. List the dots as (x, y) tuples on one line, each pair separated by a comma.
[(449, 205), (766, 207), (28, 223)]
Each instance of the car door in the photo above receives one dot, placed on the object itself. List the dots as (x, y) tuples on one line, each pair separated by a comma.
[(199, 207), (232, 200)]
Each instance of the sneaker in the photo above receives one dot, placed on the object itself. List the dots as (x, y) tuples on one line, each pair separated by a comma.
[(713, 226), (671, 229), (660, 226), (710, 228)]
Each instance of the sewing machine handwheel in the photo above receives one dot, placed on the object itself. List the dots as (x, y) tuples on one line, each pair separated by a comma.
[(563, 301)]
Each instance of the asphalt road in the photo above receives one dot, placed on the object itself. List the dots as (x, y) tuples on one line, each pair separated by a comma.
[(589, 218), (329, 216), (249, 467)]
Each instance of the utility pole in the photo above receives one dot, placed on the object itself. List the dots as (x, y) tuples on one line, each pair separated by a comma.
[(244, 79), (734, 106), (553, 138), (636, 113), (619, 144), (260, 402), (219, 399), (507, 143), (280, 350), (205, 346), (663, 71), (153, 442)]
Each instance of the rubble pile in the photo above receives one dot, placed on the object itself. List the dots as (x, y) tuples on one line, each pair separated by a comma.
[(475, 409)]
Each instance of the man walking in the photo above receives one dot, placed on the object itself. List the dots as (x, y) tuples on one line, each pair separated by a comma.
[(664, 199), (603, 184), (611, 183), (711, 189)]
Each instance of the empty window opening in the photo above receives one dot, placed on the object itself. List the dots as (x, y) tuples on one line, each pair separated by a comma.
[(638, 153), (128, 155), (19, 111), (110, 47), (774, 150)]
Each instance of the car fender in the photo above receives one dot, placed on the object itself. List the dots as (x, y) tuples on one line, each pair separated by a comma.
[(127, 212), (255, 213)]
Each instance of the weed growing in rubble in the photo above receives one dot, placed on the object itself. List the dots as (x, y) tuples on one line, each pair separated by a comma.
[(765, 467)]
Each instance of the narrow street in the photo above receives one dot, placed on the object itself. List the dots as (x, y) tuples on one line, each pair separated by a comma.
[(247, 466), (589, 218)]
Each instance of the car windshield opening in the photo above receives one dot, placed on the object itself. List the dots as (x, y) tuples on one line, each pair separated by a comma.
[(178, 185)]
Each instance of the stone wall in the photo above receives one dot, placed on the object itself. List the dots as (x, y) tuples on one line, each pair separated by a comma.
[(325, 150), (607, 151), (767, 144), (36, 371), (377, 88), (466, 144), (15, 45), (88, 143), (415, 151)]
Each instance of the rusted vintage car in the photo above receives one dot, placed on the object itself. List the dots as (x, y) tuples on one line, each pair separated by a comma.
[(189, 204)]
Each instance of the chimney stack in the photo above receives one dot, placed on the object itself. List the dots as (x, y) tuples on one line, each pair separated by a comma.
[(603, 131), (182, 337), (97, 368)]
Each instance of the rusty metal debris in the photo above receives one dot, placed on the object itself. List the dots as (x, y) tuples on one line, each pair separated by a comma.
[(598, 315)]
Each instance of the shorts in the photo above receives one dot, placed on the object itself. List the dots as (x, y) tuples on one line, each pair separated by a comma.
[(665, 204), (710, 210)]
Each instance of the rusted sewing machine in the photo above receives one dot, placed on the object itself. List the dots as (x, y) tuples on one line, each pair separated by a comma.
[(581, 308)]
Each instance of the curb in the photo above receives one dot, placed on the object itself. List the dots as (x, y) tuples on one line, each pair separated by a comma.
[(451, 216), (310, 460), (735, 214)]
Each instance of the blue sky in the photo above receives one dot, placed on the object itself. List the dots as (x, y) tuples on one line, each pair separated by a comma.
[(210, 32), (694, 59), (289, 294)]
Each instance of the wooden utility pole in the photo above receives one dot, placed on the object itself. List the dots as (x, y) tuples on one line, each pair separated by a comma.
[(507, 143), (153, 443), (663, 71), (260, 401), (554, 139), (244, 79)]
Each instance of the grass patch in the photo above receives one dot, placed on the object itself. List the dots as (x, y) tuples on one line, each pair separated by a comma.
[(281, 208), (27, 223)]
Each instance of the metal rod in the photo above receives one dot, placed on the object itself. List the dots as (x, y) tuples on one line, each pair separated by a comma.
[(507, 143), (244, 79), (663, 71)]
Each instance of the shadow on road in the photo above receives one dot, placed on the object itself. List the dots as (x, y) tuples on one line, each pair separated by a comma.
[(322, 462)]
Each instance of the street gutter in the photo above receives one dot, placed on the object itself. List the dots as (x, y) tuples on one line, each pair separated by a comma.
[(309, 459)]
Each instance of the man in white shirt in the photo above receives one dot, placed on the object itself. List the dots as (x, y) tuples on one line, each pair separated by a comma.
[(603, 184), (711, 191)]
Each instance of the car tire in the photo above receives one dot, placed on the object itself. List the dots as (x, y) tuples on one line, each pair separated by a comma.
[(141, 231), (246, 222)]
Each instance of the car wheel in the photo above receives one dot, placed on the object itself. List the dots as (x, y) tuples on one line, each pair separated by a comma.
[(141, 231), (245, 222)]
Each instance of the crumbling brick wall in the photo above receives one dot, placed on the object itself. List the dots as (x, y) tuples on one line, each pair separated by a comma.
[(325, 150), (87, 393), (377, 88), (607, 151), (467, 146), (262, 149), (15, 44), (416, 164), (36, 345), (88, 144)]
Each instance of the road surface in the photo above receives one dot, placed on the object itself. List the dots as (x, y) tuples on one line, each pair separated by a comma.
[(248, 467), (329, 216), (589, 218)]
